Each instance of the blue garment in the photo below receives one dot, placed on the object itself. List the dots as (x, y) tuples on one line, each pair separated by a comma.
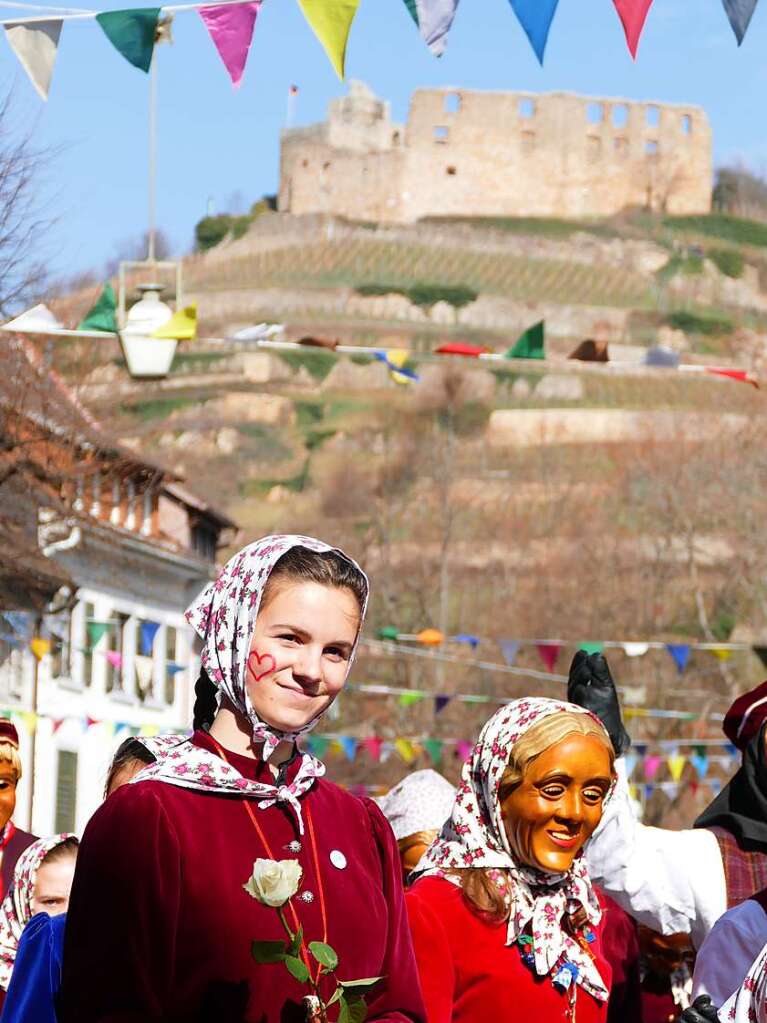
[(36, 976)]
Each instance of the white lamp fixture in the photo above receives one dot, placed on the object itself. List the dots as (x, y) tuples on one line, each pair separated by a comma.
[(145, 355)]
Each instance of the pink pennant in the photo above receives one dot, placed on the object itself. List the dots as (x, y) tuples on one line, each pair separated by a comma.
[(115, 658), (549, 653), (651, 765), (57, 723), (633, 14), (464, 749), (373, 746), (231, 28)]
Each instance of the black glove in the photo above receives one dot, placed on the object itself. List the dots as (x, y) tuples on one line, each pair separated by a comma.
[(591, 686), (701, 1011)]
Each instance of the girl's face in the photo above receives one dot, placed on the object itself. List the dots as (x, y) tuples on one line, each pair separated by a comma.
[(558, 804), (53, 885), (300, 651)]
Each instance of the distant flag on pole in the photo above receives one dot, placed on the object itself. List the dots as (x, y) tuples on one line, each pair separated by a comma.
[(132, 33), (740, 13), (633, 14), (434, 19), (331, 21), (536, 16), (230, 26), (36, 44)]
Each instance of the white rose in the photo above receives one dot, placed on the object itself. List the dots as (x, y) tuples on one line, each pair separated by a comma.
[(273, 882)]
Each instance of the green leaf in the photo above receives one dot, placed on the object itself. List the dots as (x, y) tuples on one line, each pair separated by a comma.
[(353, 1010), (267, 951), (336, 995), (359, 985), (324, 954), (298, 968), (294, 947)]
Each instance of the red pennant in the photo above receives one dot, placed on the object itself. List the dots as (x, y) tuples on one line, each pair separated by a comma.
[(734, 374), (464, 749), (651, 765), (373, 746), (549, 653), (57, 723), (90, 722), (633, 14)]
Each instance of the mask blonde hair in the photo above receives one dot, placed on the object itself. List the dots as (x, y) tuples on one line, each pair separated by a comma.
[(9, 754)]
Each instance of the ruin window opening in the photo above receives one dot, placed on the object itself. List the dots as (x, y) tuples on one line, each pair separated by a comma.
[(441, 133), (621, 145), (395, 138), (450, 171), (651, 147), (594, 148), (304, 163), (453, 103), (527, 107), (528, 141), (620, 115), (686, 124), (595, 113), (653, 116)]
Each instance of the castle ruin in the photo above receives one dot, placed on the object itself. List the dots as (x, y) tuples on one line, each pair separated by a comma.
[(488, 154)]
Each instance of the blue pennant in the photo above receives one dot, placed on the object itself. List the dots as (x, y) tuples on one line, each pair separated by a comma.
[(681, 654), (536, 16), (740, 13)]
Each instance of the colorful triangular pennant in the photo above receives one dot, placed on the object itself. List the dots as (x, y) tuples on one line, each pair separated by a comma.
[(147, 633), (434, 19), (680, 653), (434, 748), (95, 631), (440, 702), (530, 345), (39, 647), (36, 44), (536, 16), (102, 315), (549, 653), (230, 26), (635, 649), (740, 13), (182, 326), (373, 746), (132, 33), (464, 749), (509, 649), (331, 21), (592, 648), (633, 14), (37, 320), (408, 699), (349, 746), (144, 667), (405, 749)]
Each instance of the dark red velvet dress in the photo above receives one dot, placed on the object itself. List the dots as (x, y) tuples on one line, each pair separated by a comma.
[(159, 926), (469, 974)]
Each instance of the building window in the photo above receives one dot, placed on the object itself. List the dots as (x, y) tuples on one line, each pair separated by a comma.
[(441, 133), (621, 145), (528, 141), (453, 103), (89, 612), (60, 645), (96, 494), (450, 171), (146, 525), (595, 113), (66, 791), (686, 124), (526, 107), (204, 542), (116, 665), (114, 515), (130, 518), (171, 665), (620, 115), (652, 116), (651, 147)]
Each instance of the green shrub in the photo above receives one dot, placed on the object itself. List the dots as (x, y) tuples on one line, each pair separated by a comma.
[(720, 225), (424, 294), (211, 230), (318, 363), (729, 261), (308, 413), (709, 324)]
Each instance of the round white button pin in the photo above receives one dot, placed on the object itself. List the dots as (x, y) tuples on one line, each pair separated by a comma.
[(338, 859)]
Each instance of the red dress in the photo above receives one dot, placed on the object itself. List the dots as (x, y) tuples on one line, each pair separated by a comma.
[(469, 974), (159, 926)]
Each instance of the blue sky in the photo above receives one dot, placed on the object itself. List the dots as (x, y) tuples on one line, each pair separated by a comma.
[(216, 142)]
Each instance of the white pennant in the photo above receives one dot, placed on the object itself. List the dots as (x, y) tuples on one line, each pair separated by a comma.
[(144, 672), (36, 320), (435, 18), (36, 45)]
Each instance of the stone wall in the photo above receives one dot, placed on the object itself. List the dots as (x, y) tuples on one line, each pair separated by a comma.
[(465, 153)]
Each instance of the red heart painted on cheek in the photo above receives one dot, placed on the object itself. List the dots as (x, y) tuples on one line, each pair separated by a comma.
[(265, 665)]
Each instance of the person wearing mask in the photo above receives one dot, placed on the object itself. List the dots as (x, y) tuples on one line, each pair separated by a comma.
[(13, 841), (38, 895), (416, 808), (178, 853), (506, 923)]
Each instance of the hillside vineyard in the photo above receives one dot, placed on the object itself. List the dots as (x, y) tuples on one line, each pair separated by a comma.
[(474, 154)]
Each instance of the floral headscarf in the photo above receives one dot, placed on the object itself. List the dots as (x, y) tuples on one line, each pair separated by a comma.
[(16, 910), (749, 1003), (224, 616), (475, 836)]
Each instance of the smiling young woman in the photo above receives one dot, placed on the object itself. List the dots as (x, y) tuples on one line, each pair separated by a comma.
[(170, 852), (505, 922)]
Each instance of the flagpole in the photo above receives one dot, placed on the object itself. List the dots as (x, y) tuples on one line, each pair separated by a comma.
[(152, 158)]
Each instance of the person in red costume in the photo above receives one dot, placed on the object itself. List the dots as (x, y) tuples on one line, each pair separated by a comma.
[(13, 841), (160, 923), (505, 921)]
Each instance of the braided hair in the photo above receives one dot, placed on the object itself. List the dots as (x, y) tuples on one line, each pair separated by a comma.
[(205, 702)]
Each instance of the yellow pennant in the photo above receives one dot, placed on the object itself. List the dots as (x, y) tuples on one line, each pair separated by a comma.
[(40, 647), (405, 749), (722, 653), (330, 21), (398, 357), (676, 766), (182, 326), (149, 730), (430, 637), (30, 720)]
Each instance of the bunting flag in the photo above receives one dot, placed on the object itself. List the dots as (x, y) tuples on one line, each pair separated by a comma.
[(331, 20), (536, 16), (676, 765), (469, 640), (95, 631), (56, 724), (103, 315), (349, 746), (182, 326), (722, 653), (434, 19), (40, 647), (680, 653), (464, 749), (635, 649), (115, 658), (549, 653), (430, 637), (173, 669), (509, 649), (633, 14), (149, 731), (740, 13), (373, 746), (699, 761), (434, 748), (231, 29), (36, 44), (530, 345), (37, 320), (593, 648), (147, 633), (405, 749), (318, 746), (20, 622), (144, 667), (396, 360), (651, 765), (462, 348), (440, 702), (29, 719), (408, 699), (389, 632), (132, 33), (631, 759)]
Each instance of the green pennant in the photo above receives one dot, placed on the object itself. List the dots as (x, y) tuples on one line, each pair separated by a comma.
[(95, 631), (132, 33), (102, 316), (389, 632), (434, 748), (318, 745), (530, 345), (592, 648), (411, 6), (408, 699)]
